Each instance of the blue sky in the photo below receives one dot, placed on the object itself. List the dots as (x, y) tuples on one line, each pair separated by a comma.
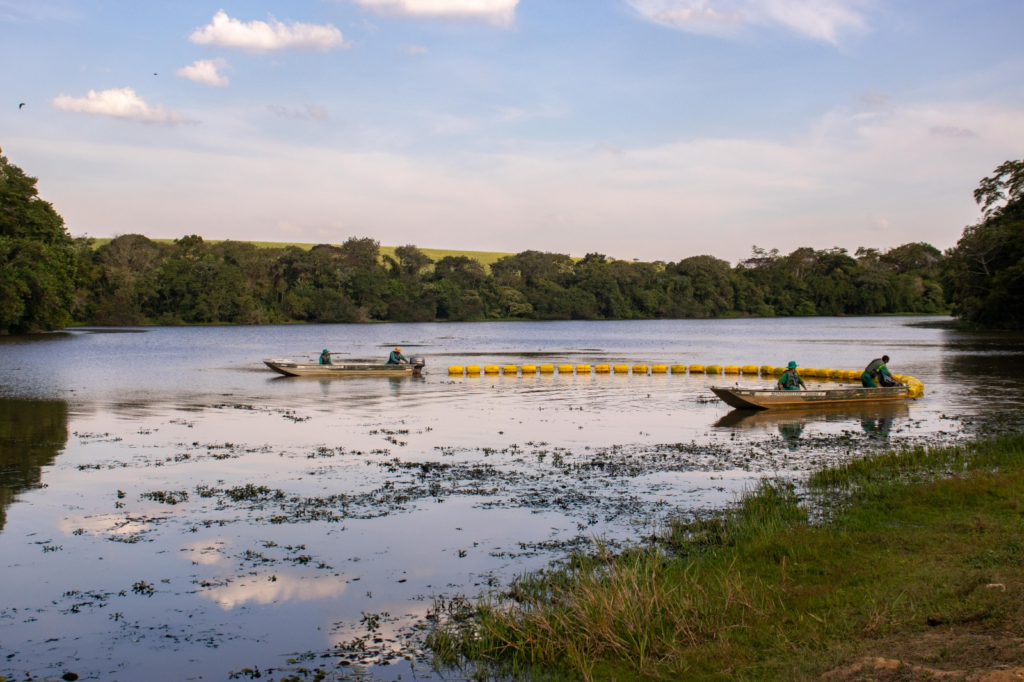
[(652, 129)]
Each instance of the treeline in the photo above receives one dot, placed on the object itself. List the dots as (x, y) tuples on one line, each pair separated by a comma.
[(134, 280), (48, 279)]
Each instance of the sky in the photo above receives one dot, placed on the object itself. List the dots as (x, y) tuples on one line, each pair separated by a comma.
[(650, 129)]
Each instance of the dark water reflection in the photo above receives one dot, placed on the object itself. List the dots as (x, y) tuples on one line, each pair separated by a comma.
[(32, 434), (142, 535)]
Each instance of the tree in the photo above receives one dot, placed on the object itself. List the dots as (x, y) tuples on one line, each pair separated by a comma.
[(1006, 184), (128, 280), (916, 256), (710, 278), (38, 259), (984, 272), (465, 271), (411, 260)]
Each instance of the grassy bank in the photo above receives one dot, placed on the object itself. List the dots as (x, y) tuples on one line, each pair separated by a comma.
[(914, 556)]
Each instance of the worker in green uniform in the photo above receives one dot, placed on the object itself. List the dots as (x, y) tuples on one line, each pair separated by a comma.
[(877, 374), (790, 379), (396, 357), (325, 357)]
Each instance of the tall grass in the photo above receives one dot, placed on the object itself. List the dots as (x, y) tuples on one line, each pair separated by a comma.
[(638, 608), (881, 473)]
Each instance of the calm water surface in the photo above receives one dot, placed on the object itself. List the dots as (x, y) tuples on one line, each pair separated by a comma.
[(170, 509)]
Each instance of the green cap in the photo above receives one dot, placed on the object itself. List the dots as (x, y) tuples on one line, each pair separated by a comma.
[(792, 364), (326, 351)]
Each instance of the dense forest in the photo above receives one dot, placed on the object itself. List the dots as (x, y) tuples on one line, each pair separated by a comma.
[(49, 279), (134, 280)]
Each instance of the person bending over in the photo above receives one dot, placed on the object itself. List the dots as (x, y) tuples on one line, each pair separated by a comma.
[(396, 357), (877, 374), (790, 379)]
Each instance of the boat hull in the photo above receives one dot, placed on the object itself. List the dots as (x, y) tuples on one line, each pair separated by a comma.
[(346, 369), (769, 399)]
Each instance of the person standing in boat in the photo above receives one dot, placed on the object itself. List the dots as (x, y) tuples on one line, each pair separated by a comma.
[(790, 379), (877, 374), (396, 357), (325, 357)]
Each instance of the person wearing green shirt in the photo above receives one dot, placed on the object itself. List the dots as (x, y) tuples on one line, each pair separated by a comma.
[(790, 379), (877, 374), (325, 357), (396, 357)]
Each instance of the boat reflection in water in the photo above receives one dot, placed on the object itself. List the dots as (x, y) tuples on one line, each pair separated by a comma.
[(875, 419)]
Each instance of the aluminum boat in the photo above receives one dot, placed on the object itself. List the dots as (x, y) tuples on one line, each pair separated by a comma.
[(772, 399)]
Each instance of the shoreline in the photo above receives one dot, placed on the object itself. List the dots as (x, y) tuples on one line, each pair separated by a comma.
[(872, 565), (86, 326)]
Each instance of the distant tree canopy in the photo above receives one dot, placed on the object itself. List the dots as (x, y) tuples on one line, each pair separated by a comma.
[(984, 272), (46, 278), (38, 262), (134, 280)]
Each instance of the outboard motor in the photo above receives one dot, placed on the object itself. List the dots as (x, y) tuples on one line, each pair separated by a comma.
[(418, 362)]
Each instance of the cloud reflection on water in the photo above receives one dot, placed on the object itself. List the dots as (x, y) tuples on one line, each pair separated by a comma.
[(260, 589)]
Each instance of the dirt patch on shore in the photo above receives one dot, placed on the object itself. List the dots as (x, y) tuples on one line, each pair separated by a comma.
[(983, 656)]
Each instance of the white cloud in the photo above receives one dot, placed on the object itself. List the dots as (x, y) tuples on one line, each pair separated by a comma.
[(37, 10), (606, 148), (874, 98), (416, 49), (119, 103), (825, 20), (952, 131), (310, 111), (205, 71), (878, 222), (499, 12), (260, 36)]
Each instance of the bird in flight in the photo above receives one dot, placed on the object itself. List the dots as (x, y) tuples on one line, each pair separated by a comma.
[(21, 105)]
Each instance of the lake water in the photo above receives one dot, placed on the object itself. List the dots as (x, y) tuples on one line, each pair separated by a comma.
[(170, 509)]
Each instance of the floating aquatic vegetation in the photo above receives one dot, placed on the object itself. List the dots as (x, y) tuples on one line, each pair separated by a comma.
[(166, 496)]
